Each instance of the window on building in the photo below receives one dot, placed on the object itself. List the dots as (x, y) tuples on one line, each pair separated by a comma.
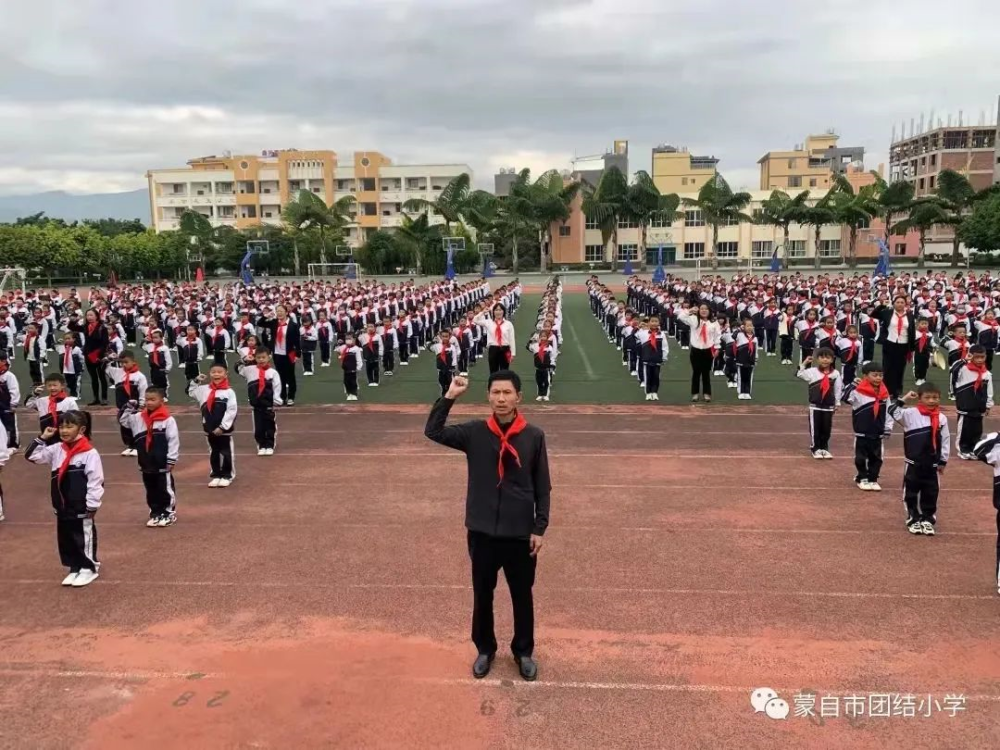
[(899, 248), (731, 222), (794, 181), (920, 184), (933, 160), (757, 213), (317, 190), (796, 248), (693, 219), (792, 163), (249, 212), (246, 186), (812, 182), (659, 221), (865, 223), (829, 248), (761, 249), (368, 183), (180, 189), (593, 254), (727, 250), (930, 182), (591, 224), (684, 180), (267, 215), (923, 161), (628, 252), (628, 224), (564, 230), (694, 250)]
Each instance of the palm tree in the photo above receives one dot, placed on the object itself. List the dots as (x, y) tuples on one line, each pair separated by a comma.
[(956, 194), (892, 199), (199, 231), (607, 205), (924, 214), (645, 202), (781, 210), (854, 210), (452, 203), (309, 211), (818, 216), (515, 215), (551, 197), (420, 236), (719, 206)]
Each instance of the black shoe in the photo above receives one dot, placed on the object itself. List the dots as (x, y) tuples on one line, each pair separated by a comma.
[(527, 667), (95, 402), (104, 402), (481, 666)]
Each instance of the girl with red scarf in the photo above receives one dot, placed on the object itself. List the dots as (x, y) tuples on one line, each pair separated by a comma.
[(544, 355), (218, 405), (77, 487), (95, 346), (825, 391), (53, 406), (157, 445), (869, 400), (972, 384)]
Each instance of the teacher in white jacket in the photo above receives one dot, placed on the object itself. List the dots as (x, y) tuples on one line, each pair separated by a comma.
[(705, 338), (499, 339)]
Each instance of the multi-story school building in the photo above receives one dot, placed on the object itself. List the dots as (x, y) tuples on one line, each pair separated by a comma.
[(243, 191)]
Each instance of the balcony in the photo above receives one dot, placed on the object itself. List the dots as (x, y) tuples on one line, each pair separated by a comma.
[(393, 196), (225, 200), (396, 220), (172, 200)]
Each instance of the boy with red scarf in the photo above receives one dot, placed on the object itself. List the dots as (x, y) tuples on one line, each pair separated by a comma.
[(71, 360), (848, 348), (972, 384), (160, 361), (923, 349), (825, 391), (190, 351), (926, 445), (157, 445), (10, 395), (34, 353), (218, 417), (349, 354), (652, 355), (869, 399), (130, 386), (371, 351), (544, 357), (77, 488), (446, 353), (52, 407), (264, 392), (988, 451)]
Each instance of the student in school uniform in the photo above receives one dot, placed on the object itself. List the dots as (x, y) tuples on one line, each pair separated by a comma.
[(52, 402), (34, 354), (130, 387), (77, 486), (157, 444), (848, 351), (219, 341), (243, 330), (10, 397), (5, 454), (988, 451), (389, 346), (544, 355), (326, 336), (309, 339), (71, 362), (371, 352), (869, 400), (190, 352), (446, 354), (786, 334), (95, 347), (704, 339), (652, 355), (924, 347), (464, 336), (987, 335), (805, 331), (747, 352), (972, 384), (870, 331), (825, 392), (217, 402), (351, 361), (926, 446), (500, 339), (116, 344), (771, 318), (160, 361), (264, 392)]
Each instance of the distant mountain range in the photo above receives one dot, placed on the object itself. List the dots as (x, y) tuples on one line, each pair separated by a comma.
[(58, 204)]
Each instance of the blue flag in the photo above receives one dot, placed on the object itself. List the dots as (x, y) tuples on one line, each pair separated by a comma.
[(450, 270), (882, 268), (775, 263), (659, 275)]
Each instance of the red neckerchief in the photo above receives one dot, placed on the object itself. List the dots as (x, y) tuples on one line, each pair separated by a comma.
[(980, 370), (498, 332), (218, 332), (704, 330), (443, 356), (867, 389), (212, 388), (871, 324), (54, 406), (824, 386), (516, 426), (28, 341), (67, 357), (343, 354), (829, 331), (371, 342), (964, 343), (262, 377), (81, 445), (751, 344), (935, 415), (157, 357), (922, 341), (654, 339), (127, 382), (160, 414), (279, 337), (542, 348), (899, 326)]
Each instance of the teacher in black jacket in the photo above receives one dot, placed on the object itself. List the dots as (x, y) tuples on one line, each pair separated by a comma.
[(95, 346), (506, 510), (281, 335)]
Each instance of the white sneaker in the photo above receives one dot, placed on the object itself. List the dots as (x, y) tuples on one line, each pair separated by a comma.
[(2, 518), (730, 384), (817, 455), (464, 374), (656, 397), (327, 364), (262, 451), (269, 451), (152, 522), (538, 398), (307, 374), (865, 485), (915, 528), (918, 382), (127, 452), (545, 398), (928, 528), (875, 486), (290, 402), (215, 482), (168, 520), (718, 373), (827, 455), (225, 482), (649, 396), (84, 578), (405, 364), (388, 373), (352, 397), (68, 580)]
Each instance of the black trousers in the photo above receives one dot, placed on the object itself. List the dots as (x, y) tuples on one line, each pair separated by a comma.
[(371, 370), (286, 369), (867, 458), (489, 555), (444, 380), (98, 380), (265, 428), (221, 456), (388, 360), (160, 495), (35, 372), (970, 431), (921, 363), (191, 371), (542, 380), (652, 381), (77, 540), (324, 351), (701, 371), (996, 505), (497, 358), (307, 360), (158, 379), (786, 347), (744, 378), (9, 420), (770, 339), (72, 383), (894, 366), (351, 382), (820, 429), (920, 493), (220, 358)]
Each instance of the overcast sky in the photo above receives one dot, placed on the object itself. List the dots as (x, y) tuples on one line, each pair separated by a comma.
[(94, 92)]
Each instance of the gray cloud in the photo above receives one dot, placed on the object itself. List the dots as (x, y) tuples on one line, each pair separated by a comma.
[(107, 89)]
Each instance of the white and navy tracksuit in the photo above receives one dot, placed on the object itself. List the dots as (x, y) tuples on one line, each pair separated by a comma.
[(371, 352), (923, 349), (871, 421), (220, 415), (988, 451), (160, 364), (190, 352), (822, 402), (747, 352), (10, 395), (71, 360), (973, 398), (76, 494), (157, 456), (350, 362), (43, 404), (652, 354), (128, 386), (264, 392), (924, 453), (4, 455), (445, 360)]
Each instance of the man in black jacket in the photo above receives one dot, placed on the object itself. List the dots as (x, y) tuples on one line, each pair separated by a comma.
[(506, 509)]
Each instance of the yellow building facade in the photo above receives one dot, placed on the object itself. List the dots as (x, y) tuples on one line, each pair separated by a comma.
[(810, 166), (675, 170)]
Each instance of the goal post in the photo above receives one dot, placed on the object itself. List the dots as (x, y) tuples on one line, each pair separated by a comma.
[(13, 276), (345, 271)]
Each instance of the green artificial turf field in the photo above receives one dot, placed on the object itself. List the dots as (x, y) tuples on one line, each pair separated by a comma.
[(589, 372)]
